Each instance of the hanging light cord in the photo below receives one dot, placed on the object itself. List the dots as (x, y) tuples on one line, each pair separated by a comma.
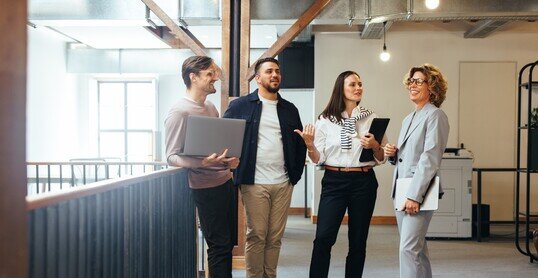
[(384, 45)]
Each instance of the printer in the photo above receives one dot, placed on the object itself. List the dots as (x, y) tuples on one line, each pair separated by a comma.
[(453, 219)]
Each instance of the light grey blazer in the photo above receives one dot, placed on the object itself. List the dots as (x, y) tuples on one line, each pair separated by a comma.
[(420, 150)]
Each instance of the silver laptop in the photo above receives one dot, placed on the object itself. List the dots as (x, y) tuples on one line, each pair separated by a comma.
[(430, 202), (207, 135)]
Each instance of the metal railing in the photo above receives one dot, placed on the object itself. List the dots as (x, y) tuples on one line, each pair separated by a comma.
[(141, 226), (54, 176)]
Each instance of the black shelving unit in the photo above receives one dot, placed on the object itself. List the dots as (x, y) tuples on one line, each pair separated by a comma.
[(525, 89)]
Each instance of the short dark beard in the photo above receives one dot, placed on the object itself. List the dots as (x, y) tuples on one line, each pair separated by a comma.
[(272, 90)]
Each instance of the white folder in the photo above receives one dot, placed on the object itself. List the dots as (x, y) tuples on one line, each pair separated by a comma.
[(430, 202)]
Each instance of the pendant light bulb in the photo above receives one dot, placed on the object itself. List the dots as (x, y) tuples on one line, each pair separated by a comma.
[(385, 55), (432, 4)]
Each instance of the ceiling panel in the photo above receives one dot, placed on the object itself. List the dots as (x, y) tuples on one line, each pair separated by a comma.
[(113, 37)]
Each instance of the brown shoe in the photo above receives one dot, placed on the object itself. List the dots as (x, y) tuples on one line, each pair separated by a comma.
[(535, 239)]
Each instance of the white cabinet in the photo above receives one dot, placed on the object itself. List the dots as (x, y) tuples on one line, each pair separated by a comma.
[(453, 218)]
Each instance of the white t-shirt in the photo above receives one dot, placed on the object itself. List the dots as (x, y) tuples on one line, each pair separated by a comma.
[(270, 168)]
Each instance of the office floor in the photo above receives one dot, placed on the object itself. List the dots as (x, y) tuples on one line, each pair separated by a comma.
[(495, 257)]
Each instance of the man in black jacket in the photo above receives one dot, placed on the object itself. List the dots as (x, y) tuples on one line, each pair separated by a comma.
[(272, 161)]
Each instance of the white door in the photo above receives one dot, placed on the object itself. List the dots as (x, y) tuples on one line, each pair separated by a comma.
[(487, 127)]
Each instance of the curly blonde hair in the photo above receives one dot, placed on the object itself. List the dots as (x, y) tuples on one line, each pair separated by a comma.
[(437, 84)]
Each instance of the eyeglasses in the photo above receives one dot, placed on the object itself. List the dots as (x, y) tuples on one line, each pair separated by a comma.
[(417, 81)]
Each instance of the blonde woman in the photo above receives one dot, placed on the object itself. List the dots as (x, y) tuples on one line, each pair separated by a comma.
[(422, 141)]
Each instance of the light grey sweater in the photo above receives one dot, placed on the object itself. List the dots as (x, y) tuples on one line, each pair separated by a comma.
[(175, 128)]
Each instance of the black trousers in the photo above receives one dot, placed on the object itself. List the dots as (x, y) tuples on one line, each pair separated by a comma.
[(216, 208), (356, 192)]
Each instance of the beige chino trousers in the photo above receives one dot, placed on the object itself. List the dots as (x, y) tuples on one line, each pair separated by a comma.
[(266, 209)]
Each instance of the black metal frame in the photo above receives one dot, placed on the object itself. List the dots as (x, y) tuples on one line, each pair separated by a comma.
[(306, 191), (479, 172), (520, 170), (55, 173), (235, 48)]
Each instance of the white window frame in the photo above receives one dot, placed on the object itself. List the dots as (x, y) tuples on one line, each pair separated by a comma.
[(126, 130)]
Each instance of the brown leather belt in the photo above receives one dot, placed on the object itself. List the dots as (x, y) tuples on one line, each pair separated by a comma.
[(349, 169)]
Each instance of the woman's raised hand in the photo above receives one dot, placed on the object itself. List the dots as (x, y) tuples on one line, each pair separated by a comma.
[(307, 134)]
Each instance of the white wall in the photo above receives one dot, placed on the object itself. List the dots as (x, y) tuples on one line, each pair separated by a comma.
[(52, 105), (303, 99), (384, 92)]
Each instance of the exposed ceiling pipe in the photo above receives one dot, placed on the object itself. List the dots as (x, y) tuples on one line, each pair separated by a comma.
[(351, 12), (148, 19), (206, 12), (368, 11), (410, 6)]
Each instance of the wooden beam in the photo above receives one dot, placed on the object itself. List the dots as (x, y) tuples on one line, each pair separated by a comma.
[(225, 60), (13, 217), (191, 35), (163, 33), (185, 36), (193, 45), (294, 30)]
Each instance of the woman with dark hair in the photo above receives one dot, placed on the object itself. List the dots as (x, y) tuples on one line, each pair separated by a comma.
[(418, 155), (340, 135)]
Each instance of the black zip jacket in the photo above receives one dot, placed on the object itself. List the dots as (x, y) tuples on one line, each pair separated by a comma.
[(249, 108)]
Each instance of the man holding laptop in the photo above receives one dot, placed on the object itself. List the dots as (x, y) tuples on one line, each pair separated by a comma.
[(209, 177), (272, 161)]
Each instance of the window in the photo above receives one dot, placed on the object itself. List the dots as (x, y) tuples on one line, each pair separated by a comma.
[(126, 119)]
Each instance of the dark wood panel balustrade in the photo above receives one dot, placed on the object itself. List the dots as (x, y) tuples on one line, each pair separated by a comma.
[(140, 226)]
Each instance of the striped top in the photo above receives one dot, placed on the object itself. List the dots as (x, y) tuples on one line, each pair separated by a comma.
[(339, 153)]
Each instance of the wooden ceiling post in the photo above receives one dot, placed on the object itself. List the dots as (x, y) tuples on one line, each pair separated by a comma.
[(13, 216), (244, 63)]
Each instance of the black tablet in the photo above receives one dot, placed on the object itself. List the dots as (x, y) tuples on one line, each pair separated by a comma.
[(377, 128)]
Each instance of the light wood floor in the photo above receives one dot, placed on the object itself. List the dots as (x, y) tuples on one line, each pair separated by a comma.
[(496, 257)]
